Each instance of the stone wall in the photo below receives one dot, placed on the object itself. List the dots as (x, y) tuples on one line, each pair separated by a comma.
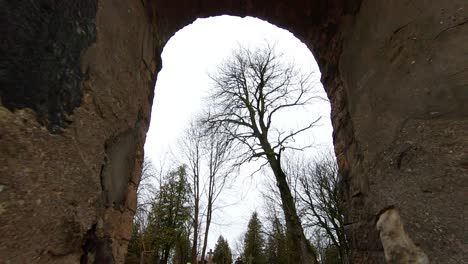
[(77, 83), (406, 84), (69, 168)]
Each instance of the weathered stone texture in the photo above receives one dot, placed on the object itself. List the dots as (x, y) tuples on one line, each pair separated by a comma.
[(71, 138), (55, 206), (407, 103)]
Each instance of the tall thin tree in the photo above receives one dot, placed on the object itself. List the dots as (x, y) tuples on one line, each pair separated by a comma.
[(191, 149), (208, 155), (219, 155)]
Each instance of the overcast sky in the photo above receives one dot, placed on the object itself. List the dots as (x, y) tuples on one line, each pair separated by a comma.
[(183, 84)]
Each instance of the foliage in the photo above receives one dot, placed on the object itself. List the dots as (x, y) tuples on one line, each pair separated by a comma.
[(222, 252), (165, 234), (170, 212), (254, 242), (182, 248), (277, 250), (134, 248)]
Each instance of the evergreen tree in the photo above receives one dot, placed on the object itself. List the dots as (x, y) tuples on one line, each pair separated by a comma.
[(182, 252), (271, 250), (254, 242), (169, 214), (277, 249), (222, 252), (134, 249)]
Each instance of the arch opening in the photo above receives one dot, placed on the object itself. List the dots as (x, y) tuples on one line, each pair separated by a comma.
[(188, 58)]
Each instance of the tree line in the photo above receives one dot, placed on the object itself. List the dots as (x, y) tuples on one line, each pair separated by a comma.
[(304, 215)]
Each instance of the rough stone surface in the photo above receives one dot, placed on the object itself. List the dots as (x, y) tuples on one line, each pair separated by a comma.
[(53, 206), (406, 83), (77, 83)]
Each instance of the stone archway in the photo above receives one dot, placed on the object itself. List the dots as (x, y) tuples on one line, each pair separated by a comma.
[(76, 91)]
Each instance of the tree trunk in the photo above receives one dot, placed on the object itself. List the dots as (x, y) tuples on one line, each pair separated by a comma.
[(195, 234), (302, 250), (207, 229), (165, 256)]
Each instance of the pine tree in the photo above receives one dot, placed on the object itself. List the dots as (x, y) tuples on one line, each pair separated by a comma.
[(169, 214), (277, 250), (182, 249), (254, 242), (134, 248), (222, 252)]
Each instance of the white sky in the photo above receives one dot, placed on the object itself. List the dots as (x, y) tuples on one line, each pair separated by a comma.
[(183, 84)]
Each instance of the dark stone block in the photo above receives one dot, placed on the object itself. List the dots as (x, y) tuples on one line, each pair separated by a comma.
[(40, 56), (96, 249)]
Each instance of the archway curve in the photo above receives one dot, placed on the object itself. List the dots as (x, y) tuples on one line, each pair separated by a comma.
[(188, 57), (394, 72)]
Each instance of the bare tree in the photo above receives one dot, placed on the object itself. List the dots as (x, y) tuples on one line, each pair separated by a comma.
[(219, 154), (209, 155), (239, 245), (319, 199), (146, 189), (191, 149), (250, 88), (150, 183)]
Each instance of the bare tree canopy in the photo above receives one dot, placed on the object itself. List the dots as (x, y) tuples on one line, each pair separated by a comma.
[(250, 89), (318, 199)]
